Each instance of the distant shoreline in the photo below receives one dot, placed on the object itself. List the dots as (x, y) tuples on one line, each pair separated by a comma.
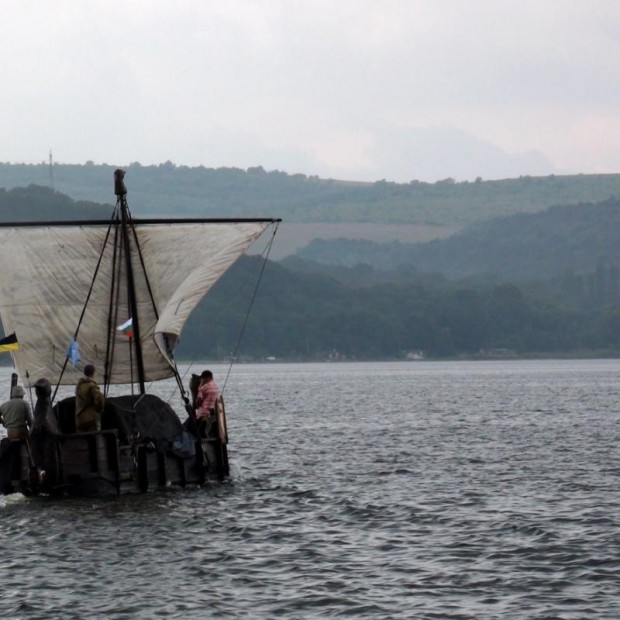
[(583, 355)]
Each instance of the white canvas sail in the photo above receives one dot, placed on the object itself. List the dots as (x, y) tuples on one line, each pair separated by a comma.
[(46, 277)]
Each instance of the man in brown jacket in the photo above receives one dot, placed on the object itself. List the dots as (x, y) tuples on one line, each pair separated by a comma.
[(15, 414), (88, 402)]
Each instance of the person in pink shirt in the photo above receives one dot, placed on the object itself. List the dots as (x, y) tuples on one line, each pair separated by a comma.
[(208, 393)]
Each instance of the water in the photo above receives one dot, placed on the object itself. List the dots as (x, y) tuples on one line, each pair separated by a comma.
[(419, 490)]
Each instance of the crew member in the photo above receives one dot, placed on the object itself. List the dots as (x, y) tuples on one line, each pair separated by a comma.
[(88, 402), (208, 393), (15, 414)]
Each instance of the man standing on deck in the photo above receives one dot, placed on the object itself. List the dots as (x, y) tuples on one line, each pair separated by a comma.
[(15, 414), (88, 403), (208, 393)]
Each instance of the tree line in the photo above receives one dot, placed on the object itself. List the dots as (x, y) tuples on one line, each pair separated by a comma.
[(168, 190), (316, 317), (568, 303)]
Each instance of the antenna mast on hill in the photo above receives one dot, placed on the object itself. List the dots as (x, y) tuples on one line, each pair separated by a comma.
[(51, 167)]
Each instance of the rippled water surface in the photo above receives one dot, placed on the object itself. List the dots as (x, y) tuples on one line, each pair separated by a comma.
[(420, 490)]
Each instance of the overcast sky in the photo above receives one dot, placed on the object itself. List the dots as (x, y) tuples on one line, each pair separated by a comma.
[(351, 89)]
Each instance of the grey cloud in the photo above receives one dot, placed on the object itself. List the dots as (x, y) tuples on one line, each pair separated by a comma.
[(479, 86)]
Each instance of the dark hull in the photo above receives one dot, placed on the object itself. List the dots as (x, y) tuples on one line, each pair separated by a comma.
[(94, 464)]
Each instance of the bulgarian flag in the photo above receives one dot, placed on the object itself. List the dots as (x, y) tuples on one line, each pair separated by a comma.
[(126, 328)]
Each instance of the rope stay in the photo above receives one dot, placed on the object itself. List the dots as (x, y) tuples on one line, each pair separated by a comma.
[(90, 290), (266, 253), (121, 217)]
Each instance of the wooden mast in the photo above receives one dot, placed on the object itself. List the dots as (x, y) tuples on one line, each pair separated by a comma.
[(121, 193)]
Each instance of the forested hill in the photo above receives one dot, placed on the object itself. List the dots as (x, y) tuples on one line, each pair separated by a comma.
[(170, 190), (314, 317), (36, 203), (358, 314), (523, 246)]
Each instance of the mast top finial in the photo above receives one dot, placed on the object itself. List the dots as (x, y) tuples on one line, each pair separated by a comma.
[(119, 184)]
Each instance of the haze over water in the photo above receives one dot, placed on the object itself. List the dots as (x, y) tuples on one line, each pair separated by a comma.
[(395, 490)]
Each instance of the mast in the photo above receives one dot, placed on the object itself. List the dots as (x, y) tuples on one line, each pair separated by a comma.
[(91, 290), (121, 193)]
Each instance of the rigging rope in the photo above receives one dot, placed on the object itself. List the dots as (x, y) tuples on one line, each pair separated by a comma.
[(112, 309), (266, 252), (90, 290)]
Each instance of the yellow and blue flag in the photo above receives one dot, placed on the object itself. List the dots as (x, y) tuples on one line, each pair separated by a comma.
[(9, 343)]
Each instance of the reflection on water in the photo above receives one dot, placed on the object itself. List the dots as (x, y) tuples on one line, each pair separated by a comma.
[(421, 490)]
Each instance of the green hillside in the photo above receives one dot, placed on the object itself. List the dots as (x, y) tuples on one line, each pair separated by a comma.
[(37, 203), (169, 190), (524, 246), (552, 287), (315, 317)]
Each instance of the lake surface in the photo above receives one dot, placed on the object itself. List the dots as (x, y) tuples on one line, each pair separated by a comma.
[(390, 490)]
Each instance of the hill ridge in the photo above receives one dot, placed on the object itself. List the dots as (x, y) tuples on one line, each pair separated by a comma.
[(167, 189)]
